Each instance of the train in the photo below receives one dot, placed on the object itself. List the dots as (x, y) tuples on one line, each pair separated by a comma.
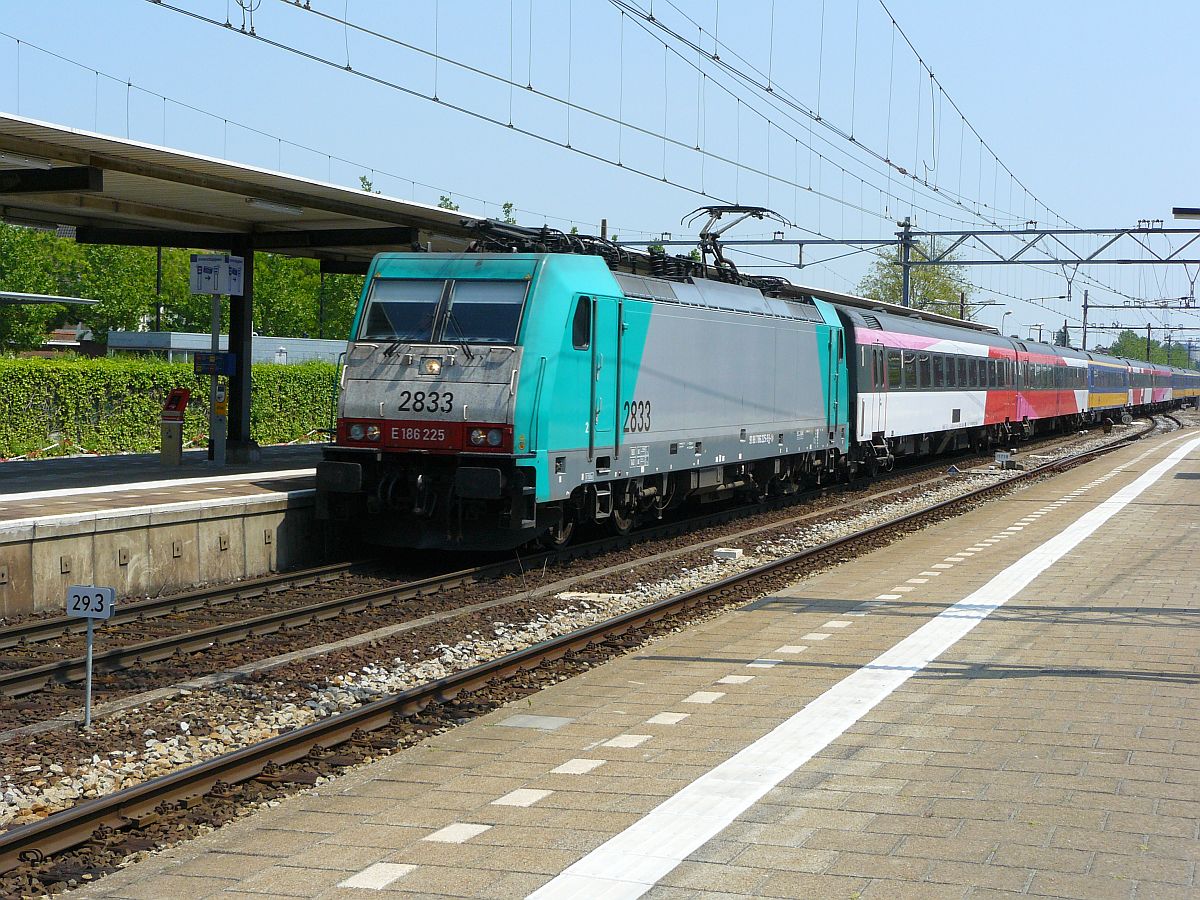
[(514, 393)]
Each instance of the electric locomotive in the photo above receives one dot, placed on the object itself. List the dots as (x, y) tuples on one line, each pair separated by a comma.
[(492, 398)]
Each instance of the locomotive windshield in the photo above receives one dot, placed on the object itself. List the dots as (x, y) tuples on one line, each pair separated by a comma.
[(402, 310), (435, 311)]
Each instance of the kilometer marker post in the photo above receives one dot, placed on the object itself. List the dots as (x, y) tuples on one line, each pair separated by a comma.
[(91, 603)]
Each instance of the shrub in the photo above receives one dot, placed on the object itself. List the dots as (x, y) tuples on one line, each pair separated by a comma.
[(113, 405)]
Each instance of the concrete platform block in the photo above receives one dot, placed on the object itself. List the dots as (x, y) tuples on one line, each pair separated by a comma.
[(16, 572), (221, 543), (58, 563), (122, 560), (261, 540), (174, 556)]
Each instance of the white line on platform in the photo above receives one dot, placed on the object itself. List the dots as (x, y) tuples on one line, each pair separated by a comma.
[(734, 679), (631, 863), (377, 876), (667, 718), (96, 515), (577, 767), (627, 740), (154, 485), (456, 833), (522, 797)]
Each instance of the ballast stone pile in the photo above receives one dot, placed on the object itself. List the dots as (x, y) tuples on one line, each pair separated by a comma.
[(241, 714)]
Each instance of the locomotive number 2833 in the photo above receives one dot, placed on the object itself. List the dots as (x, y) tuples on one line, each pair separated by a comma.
[(422, 401), (637, 416)]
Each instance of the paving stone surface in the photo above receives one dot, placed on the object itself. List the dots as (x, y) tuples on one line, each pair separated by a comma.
[(1053, 751)]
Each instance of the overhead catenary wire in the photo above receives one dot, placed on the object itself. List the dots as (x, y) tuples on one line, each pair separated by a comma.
[(641, 16), (485, 117), (278, 140)]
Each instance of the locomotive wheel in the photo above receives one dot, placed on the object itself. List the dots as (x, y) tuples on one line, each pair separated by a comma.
[(621, 522), (560, 534)]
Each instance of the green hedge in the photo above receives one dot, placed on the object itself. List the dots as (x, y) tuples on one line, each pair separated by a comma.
[(113, 405)]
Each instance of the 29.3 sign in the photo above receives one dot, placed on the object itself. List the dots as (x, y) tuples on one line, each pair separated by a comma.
[(87, 602)]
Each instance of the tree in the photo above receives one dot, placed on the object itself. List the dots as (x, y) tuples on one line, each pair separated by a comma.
[(1132, 345), (446, 203), (934, 288), (122, 279), (508, 218), (36, 262), (367, 184)]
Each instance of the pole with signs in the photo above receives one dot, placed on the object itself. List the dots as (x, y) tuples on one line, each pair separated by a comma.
[(217, 275), (87, 602)]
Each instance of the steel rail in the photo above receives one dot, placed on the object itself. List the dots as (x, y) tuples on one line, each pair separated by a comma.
[(24, 681), (48, 629), (74, 826)]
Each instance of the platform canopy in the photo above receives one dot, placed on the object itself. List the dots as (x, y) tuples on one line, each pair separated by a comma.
[(117, 191)]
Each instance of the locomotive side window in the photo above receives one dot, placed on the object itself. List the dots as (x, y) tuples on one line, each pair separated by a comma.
[(581, 324)]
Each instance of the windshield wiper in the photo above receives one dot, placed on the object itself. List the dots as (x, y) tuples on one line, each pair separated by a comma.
[(451, 320)]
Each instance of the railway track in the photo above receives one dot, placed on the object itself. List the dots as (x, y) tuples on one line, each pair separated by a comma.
[(51, 628), (106, 828), (191, 637)]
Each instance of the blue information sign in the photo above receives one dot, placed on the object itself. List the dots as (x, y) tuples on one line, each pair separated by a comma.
[(206, 362)]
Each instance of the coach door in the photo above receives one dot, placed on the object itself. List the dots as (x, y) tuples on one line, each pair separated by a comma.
[(606, 354), (879, 377)]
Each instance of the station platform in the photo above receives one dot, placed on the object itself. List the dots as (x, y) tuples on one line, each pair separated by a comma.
[(1003, 704), (134, 524)]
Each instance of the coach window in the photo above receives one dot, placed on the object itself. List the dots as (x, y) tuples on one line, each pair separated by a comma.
[(991, 373), (939, 371), (962, 372), (910, 370), (951, 368), (894, 370), (880, 370), (581, 325), (923, 374)]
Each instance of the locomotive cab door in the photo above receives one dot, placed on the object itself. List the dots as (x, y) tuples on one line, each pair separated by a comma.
[(606, 350)]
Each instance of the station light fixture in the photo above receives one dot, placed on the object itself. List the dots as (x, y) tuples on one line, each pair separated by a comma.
[(25, 162), (269, 206)]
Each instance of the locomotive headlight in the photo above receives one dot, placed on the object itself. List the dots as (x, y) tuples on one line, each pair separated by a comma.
[(372, 432), (358, 432), (478, 437), (431, 365), (494, 437)]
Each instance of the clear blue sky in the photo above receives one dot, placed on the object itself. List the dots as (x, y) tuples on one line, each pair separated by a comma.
[(1088, 104)]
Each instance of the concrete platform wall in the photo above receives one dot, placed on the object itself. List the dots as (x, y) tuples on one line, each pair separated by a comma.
[(161, 549)]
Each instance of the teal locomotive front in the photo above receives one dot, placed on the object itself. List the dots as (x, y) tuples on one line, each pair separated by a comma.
[(492, 399)]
